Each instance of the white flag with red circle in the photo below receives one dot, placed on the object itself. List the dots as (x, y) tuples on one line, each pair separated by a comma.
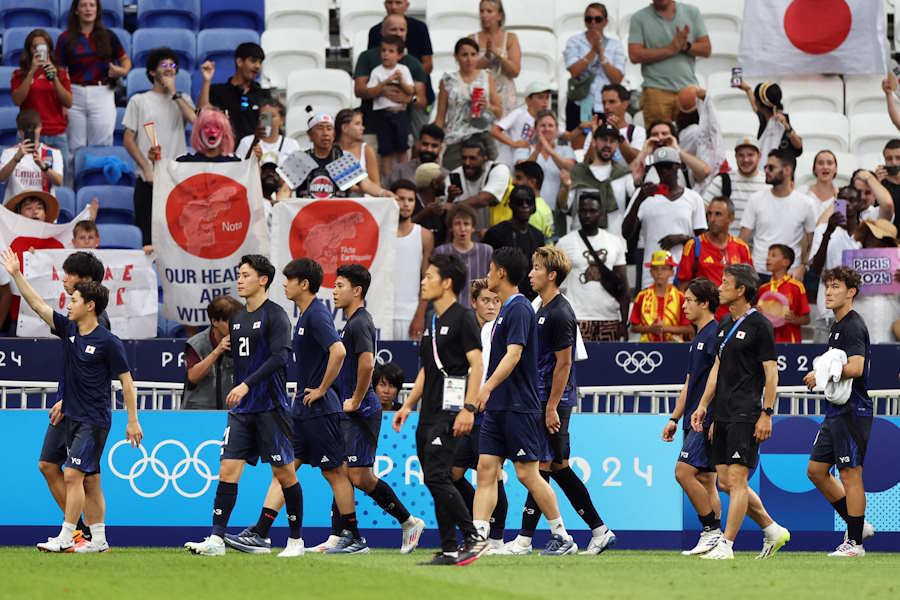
[(813, 37)]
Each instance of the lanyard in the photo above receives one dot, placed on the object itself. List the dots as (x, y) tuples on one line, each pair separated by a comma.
[(497, 320), (733, 328), (434, 349)]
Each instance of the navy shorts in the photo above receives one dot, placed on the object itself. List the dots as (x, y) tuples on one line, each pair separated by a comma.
[(319, 441), (842, 441), (254, 436), (85, 444), (54, 448), (735, 444), (361, 438), (559, 441), (695, 451), (391, 130), (466, 456), (520, 437)]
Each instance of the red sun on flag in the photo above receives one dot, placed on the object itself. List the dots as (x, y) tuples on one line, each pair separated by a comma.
[(817, 26)]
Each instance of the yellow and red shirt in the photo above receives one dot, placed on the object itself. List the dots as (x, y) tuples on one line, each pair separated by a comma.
[(795, 292), (649, 309), (712, 261)]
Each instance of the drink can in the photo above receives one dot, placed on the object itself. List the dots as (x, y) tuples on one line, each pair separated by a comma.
[(477, 96)]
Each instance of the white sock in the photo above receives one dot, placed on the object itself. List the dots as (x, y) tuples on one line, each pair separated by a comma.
[(598, 531), (453, 554), (523, 540), (216, 539), (772, 531), (483, 528), (67, 533), (728, 542), (98, 533), (557, 527), (409, 523)]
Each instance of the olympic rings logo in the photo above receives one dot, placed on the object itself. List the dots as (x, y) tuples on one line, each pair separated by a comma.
[(632, 362), (162, 471), (383, 356)]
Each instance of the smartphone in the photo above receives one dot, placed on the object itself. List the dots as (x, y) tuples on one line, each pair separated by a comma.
[(29, 135), (456, 180), (737, 77), (265, 120), (840, 207)]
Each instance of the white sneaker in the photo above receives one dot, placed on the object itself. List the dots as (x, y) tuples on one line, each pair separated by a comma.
[(91, 547), (211, 546), (55, 544), (848, 550), (513, 548), (294, 548), (770, 547), (331, 542), (721, 551), (868, 531), (600, 543), (707, 541), (494, 546), (411, 535)]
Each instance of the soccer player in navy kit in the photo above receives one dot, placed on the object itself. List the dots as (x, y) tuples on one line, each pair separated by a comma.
[(843, 436), (513, 425), (556, 333), (361, 421), (258, 422), (744, 370), (694, 471), (92, 357)]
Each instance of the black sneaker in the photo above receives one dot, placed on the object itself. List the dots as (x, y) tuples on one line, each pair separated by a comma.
[(440, 560), (249, 541), (474, 548), (346, 544)]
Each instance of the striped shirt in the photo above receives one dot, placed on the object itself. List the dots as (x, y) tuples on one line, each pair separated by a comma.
[(742, 187), (477, 261)]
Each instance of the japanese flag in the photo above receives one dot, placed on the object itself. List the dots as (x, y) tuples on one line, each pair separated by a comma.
[(811, 37)]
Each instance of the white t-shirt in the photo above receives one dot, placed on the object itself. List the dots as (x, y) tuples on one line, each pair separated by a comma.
[(839, 241), (486, 330), (623, 189), (742, 187), (589, 300), (518, 125), (269, 151), (819, 206), (879, 311), (167, 118), (379, 74), (778, 221), (660, 217), (27, 175), (494, 180)]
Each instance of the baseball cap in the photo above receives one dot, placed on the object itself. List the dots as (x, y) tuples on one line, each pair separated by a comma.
[(537, 87), (661, 258), (318, 119), (747, 142), (665, 155), (606, 130)]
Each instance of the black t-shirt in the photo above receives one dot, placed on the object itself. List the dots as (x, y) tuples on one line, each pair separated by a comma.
[(894, 189), (242, 109), (785, 138), (741, 377), (457, 334), (556, 330), (506, 234), (436, 224), (319, 184), (851, 335)]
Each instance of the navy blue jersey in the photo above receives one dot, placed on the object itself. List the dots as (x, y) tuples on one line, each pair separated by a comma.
[(515, 325), (90, 362), (314, 335), (358, 336), (851, 335), (102, 321), (261, 346), (701, 359), (556, 330)]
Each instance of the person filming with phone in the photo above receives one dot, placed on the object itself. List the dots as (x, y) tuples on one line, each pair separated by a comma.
[(889, 175), (268, 141), (30, 165)]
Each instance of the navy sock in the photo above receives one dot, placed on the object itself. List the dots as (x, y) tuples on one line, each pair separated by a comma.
[(226, 495), (264, 523), (710, 521), (531, 513), (349, 523), (578, 495), (466, 491), (498, 517), (855, 528), (335, 519), (841, 507), (293, 505), (384, 496), (85, 530)]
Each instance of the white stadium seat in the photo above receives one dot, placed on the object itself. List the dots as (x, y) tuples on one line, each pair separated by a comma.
[(358, 15), (871, 132), (325, 90), (528, 14), (863, 94), (721, 15), (846, 162), (569, 18), (539, 59), (450, 14), (725, 97), (288, 50), (633, 79), (724, 54), (359, 45), (822, 130), (443, 41), (737, 125), (869, 160), (823, 94), (290, 14)]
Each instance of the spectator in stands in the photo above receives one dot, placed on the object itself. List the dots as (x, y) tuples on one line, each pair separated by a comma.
[(615, 105), (268, 142), (780, 215), (40, 86), (889, 173), (208, 361), (479, 182), (6, 298), (823, 191), (468, 105), (428, 149), (475, 255), (500, 53), (594, 61), (431, 208), (388, 381), (783, 299), (530, 174), (879, 311), (414, 247), (241, 96), (392, 124), (877, 202), (658, 311), (518, 233), (597, 286), (170, 112), (738, 186), (90, 52), (775, 129), (666, 38), (31, 164), (85, 235), (665, 134), (348, 135), (516, 129)]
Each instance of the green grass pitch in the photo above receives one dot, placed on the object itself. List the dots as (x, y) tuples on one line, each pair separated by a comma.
[(135, 573)]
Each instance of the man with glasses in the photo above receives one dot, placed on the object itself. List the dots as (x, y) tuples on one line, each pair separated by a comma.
[(240, 96)]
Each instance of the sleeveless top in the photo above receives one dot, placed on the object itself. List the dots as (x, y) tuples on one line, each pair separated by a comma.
[(407, 278), (506, 87)]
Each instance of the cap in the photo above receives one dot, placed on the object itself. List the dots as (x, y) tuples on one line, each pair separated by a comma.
[(661, 258), (768, 93), (665, 155), (537, 87), (425, 174), (880, 228), (747, 142), (51, 204), (606, 130), (319, 118)]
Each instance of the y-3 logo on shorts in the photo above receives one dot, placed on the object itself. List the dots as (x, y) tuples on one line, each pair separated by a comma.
[(684, 454), (276, 458), (352, 459), (844, 459)]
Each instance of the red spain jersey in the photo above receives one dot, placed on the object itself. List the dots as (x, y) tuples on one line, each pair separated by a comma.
[(795, 294), (712, 261)]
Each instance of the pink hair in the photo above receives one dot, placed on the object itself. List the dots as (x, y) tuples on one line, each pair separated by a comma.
[(211, 115)]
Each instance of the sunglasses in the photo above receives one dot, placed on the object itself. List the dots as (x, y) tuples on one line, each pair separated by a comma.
[(769, 168), (589, 19), (168, 65)]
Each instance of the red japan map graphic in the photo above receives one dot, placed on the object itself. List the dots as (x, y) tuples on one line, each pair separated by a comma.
[(208, 215)]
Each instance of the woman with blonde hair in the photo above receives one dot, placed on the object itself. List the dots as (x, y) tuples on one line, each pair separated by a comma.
[(500, 52)]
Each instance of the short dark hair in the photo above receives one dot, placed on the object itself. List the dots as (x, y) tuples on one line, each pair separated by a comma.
[(462, 209), (249, 50), (261, 265), (521, 194), (86, 265), (623, 94), (785, 157), (786, 251), (451, 267), (403, 184), (463, 42), (597, 6), (432, 131), (357, 275), (85, 225), (892, 144), (728, 202), (511, 260), (394, 40), (279, 106), (705, 291), (222, 308), (673, 129), (531, 170), (305, 268), (93, 291), (846, 275), (744, 276), (390, 372), (474, 142), (156, 56), (28, 118)]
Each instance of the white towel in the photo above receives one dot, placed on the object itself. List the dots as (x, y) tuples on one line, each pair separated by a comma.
[(580, 350), (828, 368)]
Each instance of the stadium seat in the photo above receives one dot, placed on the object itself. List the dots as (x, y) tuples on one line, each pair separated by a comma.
[(357, 15), (124, 39), (736, 125), (359, 45), (443, 41), (869, 160), (325, 90), (136, 82), (119, 132), (452, 15), (633, 79), (218, 45), (846, 162), (724, 53), (6, 86), (725, 97), (569, 19), (178, 14), (31, 14), (289, 50), (8, 131), (182, 41), (66, 198), (232, 14), (721, 15), (822, 130), (14, 42), (95, 176), (823, 94), (527, 14), (539, 59), (863, 95), (116, 202), (117, 236), (290, 14), (870, 132)]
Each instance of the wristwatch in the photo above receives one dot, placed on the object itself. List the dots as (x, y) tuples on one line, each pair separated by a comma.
[(769, 411), (674, 420), (469, 407), (176, 95), (687, 48)]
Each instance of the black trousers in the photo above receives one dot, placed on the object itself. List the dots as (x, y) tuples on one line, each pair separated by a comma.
[(143, 208), (436, 447)]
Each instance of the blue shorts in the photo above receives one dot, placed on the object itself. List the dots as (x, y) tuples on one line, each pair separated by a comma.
[(319, 441), (842, 441), (85, 444), (254, 436), (361, 438), (695, 451), (559, 443), (54, 448), (520, 437)]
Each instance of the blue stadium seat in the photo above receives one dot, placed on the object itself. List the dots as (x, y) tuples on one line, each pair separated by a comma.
[(8, 129), (218, 45), (95, 176), (136, 82), (113, 13), (179, 14), (117, 236), (182, 41), (33, 13), (119, 132), (124, 38), (6, 86), (14, 42), (116, 202), (243, 14), (66, 198)]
